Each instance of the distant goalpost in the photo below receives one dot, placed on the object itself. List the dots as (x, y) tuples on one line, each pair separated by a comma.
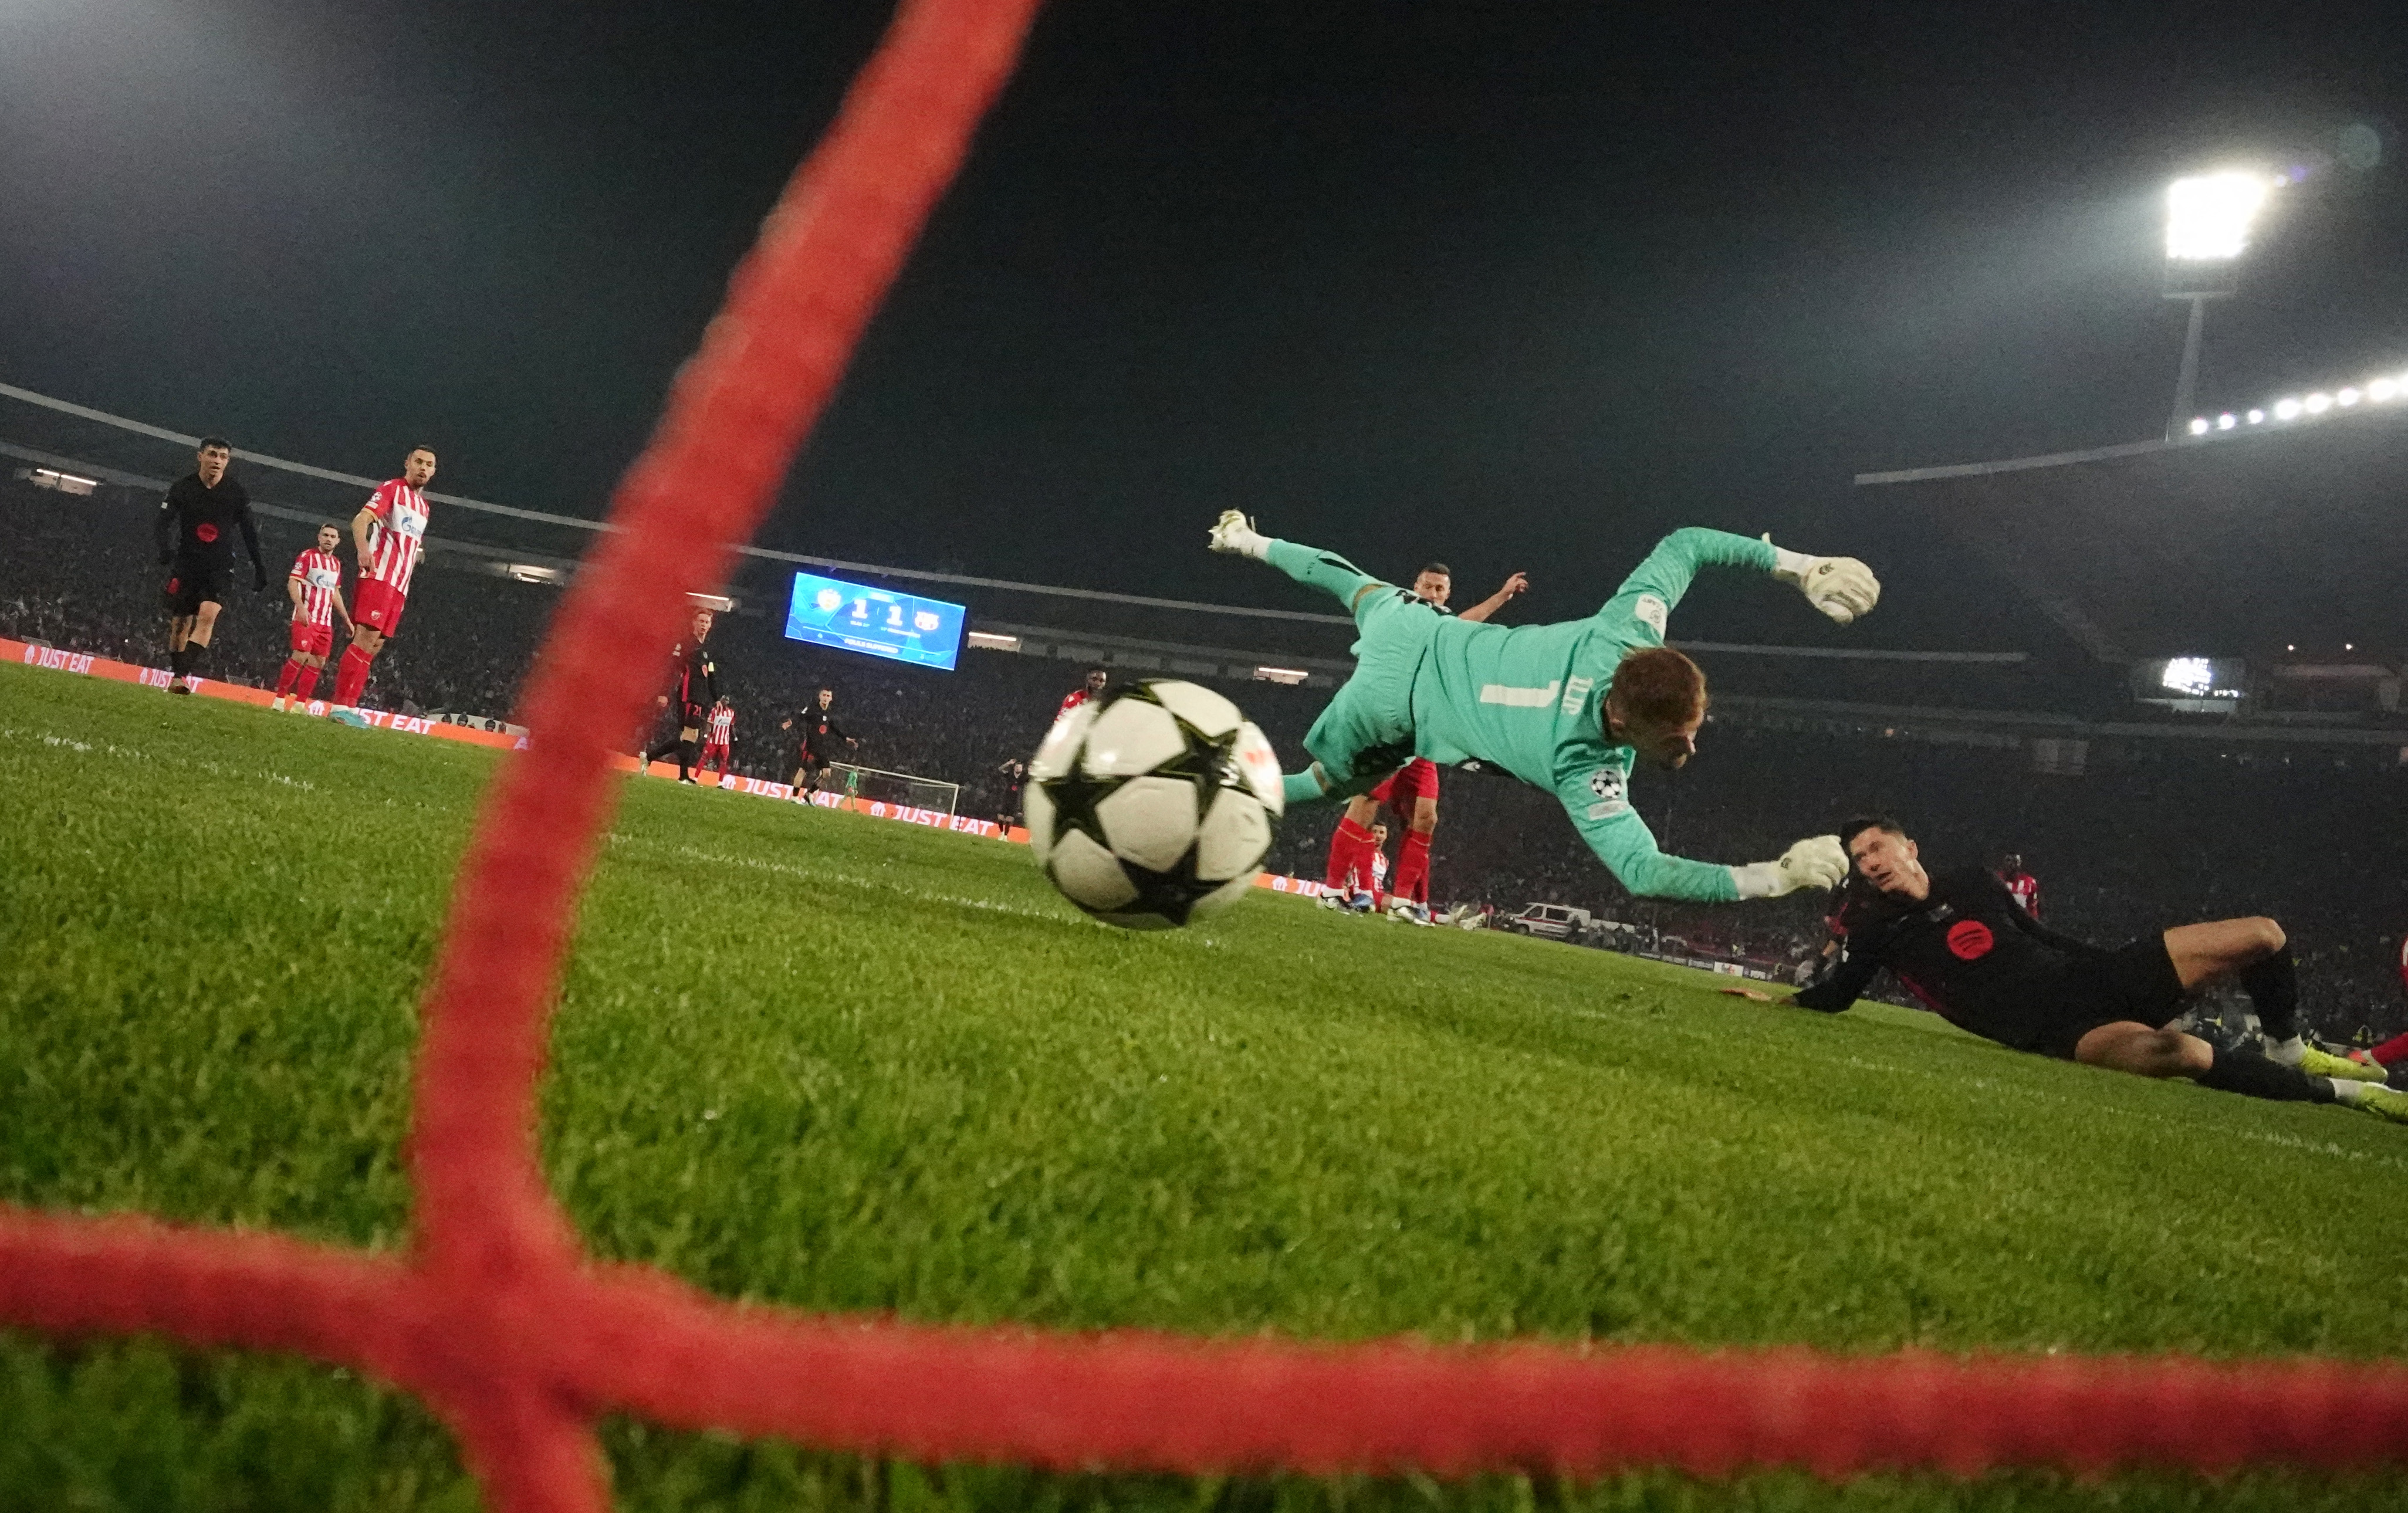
[(875, 785)]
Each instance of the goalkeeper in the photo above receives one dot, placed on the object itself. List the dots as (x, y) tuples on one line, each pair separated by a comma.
[(1566, 708)]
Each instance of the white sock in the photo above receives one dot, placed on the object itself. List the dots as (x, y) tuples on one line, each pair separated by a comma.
[(2287, 1053), (2344, 1090)]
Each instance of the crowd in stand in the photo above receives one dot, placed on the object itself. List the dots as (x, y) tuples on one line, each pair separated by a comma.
[(2153, 834)]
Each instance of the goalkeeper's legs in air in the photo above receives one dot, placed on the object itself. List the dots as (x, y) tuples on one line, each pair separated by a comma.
[(1367, 732), (1309, 566)]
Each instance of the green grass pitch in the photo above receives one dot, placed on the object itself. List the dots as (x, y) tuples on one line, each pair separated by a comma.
[(843, 1063)]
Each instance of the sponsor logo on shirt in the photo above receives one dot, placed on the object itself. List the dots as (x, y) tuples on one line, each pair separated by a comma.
[(205, 531), (325, 577), (1651, 612), (1970, 940)]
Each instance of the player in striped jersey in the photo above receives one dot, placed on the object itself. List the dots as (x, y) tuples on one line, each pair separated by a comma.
[(718, 735), (315, 585), (389, 535)]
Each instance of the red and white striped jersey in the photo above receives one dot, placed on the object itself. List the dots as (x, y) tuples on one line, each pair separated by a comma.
[(1072, 700), (722, 726), (320, 576), (2025, 891), (396, 534)]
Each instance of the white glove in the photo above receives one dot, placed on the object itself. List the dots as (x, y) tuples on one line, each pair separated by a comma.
[(1840, 587), (1816, 861)]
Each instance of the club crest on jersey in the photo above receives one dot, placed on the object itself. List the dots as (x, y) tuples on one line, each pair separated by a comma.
[(1610, 788), (1651, 612)]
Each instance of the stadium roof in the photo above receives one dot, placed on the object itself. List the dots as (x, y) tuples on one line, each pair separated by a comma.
[(2240, 542)]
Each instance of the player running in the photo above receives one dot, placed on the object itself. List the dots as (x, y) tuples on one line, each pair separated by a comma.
[(718, 736), (389, 535), (816, 735), (315, 585), (194, 530), (1961, 944), (1567, 708), (1411, 789)]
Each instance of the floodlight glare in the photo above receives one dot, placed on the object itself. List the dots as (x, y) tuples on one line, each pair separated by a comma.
[(2318, 404), (2198, 427), (2225, 423), (2287, 409), (2257, 417), (2346, 398), (2208, 216), (2382, 391)]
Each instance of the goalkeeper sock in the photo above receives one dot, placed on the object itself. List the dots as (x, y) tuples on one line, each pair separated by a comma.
[(1412, 867), (2273, 989), (1325, 570), (2253, 1075), (1348, 845)]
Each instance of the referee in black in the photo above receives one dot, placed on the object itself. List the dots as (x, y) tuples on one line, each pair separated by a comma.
[(1960, 942), (693, 688), (196, 528)]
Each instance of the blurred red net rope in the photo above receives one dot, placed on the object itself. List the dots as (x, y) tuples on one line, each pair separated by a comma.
[(518, 1341)]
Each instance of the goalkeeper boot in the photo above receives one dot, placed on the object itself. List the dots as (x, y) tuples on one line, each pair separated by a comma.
[(1236, 535)]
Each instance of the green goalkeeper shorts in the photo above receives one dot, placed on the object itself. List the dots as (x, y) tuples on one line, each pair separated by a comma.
[(1366, 733)]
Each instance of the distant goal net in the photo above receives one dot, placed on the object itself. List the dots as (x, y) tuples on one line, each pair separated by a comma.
[(874, 785)]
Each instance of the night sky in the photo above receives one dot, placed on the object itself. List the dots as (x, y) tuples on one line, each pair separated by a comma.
[(1517, 284)]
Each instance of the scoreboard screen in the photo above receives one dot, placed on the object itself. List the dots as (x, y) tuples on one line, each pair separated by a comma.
[(876, 622)]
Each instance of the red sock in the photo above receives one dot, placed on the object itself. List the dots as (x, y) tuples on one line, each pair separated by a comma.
[(2393, 1050), (1412, 866), (1350, 855), (352, 676), (308, 685), (284, 679)]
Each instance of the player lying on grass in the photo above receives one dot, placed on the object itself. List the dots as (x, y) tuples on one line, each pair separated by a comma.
[(1961, 944), (1566, 708)]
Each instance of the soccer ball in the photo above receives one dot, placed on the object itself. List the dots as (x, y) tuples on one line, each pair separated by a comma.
[(1152, 805)]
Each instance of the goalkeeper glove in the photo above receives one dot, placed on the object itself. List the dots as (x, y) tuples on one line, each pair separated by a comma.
[(1840, 587), (1816, 861)]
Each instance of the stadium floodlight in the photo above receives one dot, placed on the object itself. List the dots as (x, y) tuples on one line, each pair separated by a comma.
[(2287, 409), (1290, 676), (2346, 398), (993, 641), (2225, 421), (2318, 404), (2257, 417), (2198, 426), (2382, 391), (2208, 216)]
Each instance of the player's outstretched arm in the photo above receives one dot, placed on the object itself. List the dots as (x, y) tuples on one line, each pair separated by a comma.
[(1842, 588), (1497, 600), (1621, 839), (1844, 986)]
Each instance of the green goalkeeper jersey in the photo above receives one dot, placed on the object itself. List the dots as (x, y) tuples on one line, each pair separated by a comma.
[(1527, 699)]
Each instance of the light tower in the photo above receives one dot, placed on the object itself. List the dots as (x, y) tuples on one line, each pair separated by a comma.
[(2207, 229)]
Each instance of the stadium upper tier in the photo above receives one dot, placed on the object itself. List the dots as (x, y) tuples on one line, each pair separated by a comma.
[(2242, 543)]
